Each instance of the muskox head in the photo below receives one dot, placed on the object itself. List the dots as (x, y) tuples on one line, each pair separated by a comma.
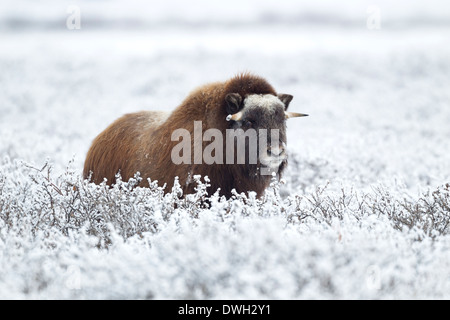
[(260, 121)]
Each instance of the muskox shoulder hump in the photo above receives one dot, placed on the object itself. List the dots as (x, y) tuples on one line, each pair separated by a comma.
[(246, 83)]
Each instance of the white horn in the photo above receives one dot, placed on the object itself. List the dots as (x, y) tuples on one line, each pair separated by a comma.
[(294, 115), (235, 117)]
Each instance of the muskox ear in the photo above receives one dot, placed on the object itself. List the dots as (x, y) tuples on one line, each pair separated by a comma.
[(234, 101), (286, 99)]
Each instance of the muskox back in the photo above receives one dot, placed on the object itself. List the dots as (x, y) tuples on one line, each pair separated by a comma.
[(125, 147)]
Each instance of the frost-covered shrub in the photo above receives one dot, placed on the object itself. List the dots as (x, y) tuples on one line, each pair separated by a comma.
[(33, 196), (61, 236)]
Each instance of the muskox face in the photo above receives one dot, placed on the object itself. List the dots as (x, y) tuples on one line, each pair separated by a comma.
[(263, 115)]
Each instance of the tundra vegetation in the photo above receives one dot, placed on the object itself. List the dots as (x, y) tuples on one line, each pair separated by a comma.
[(74, 221)]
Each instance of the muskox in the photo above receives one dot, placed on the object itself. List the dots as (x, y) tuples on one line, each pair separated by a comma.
[(146, 142)]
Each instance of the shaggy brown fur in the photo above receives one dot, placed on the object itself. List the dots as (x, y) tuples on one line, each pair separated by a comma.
[(141, 142)]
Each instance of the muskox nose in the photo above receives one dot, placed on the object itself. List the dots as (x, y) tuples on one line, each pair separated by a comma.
[(275, 151)]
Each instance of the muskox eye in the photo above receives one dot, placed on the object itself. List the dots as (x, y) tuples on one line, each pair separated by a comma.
[(248, 123)]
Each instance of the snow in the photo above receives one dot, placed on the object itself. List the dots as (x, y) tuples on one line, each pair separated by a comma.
[(364, 209)]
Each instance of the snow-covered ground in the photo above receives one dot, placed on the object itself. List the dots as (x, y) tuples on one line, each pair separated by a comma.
[(374, 153)]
